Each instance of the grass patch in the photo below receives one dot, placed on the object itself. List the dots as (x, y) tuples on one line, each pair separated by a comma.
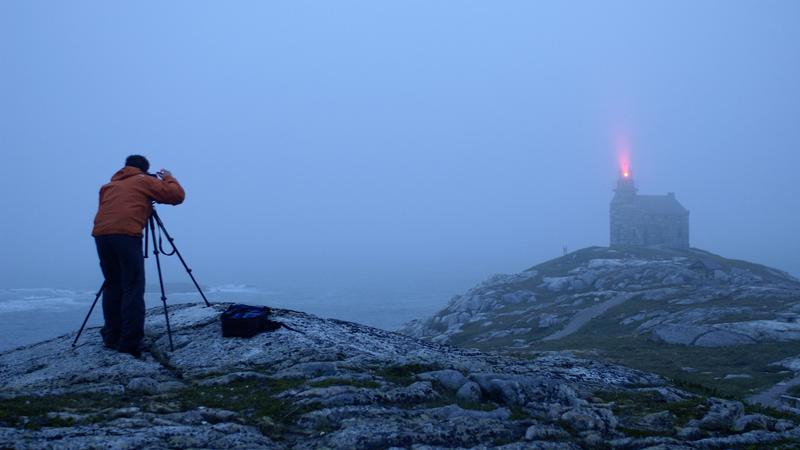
[(710, 365), (404, 374), (282, 384), (31, 412), (448, 398), (769, 411), (251, 397), (254, 400), (794, 391), (345, 382), (783, 444), (485, 406), (701, 389), (629, 404), (517, 413), (637, 433)]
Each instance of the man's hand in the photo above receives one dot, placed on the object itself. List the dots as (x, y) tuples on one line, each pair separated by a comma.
[(163, 173)]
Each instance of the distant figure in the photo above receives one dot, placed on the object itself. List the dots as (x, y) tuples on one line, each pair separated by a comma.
[(656, 221), (125, 206)]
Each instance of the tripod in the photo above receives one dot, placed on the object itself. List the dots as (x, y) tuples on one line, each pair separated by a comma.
[(153, 221)]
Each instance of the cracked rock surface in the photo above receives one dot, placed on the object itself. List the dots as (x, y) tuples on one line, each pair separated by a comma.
[(340, 385), (690, 298), (727, 325)]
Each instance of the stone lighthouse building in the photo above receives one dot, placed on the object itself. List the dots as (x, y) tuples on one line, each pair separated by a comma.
[(647, 220)]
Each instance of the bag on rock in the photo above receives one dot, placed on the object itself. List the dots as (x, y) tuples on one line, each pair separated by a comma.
[(247, 321)]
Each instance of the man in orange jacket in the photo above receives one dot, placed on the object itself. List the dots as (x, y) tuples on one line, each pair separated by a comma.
[(125, 206)]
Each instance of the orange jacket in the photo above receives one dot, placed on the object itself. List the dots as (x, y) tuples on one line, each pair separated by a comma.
[(125, 201)]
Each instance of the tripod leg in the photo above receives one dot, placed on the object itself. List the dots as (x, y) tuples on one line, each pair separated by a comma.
[(166, 318), (180, 257), (161, 283), (96, 297), (189, 271)]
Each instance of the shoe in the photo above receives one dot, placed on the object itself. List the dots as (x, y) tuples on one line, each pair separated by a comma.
[(110, 345), (135, 350)]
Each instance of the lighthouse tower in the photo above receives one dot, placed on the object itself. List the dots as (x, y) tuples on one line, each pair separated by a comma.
[(626, 188), (658, 221)]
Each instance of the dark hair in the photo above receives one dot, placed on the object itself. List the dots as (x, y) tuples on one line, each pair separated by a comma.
[(138, 161)]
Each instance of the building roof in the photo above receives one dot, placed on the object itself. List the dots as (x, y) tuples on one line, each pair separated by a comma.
[(659, 204)]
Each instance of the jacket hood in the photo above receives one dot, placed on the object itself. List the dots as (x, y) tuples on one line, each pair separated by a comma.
[(126, 172)]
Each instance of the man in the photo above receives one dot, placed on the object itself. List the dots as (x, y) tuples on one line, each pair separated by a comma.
[(125, 206)]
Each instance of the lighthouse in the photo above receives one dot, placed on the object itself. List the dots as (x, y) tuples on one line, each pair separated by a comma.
[(656, 221)]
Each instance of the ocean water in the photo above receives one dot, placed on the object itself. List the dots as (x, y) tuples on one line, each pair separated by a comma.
[(34, 314)]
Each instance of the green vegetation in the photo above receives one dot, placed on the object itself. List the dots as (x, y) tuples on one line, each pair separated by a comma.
[(446, 396), (517, 413), (561, 265), (345, 382), (772, 412), (702, 367), (785, 444), (485, 406), (255, 401), (251, 397), (404, 374), (635, 404), (32, 412)]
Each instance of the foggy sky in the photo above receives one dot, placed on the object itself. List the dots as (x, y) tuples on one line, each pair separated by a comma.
[(411, 143)]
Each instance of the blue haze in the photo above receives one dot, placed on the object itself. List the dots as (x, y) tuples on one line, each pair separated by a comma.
[(395, 147)]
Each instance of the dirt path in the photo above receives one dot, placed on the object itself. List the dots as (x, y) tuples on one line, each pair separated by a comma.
[(772, 396), (585, 315)]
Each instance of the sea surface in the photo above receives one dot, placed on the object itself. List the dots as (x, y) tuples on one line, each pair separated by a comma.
[(34, 314)]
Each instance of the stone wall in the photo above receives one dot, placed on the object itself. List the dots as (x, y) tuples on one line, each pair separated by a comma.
[(633, 227)]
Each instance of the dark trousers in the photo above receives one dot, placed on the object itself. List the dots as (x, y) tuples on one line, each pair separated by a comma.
[(122, 263)]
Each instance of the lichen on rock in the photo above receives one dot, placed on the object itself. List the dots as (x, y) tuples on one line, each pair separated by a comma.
[(321, 384)]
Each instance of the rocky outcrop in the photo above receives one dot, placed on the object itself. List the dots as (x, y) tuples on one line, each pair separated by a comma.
[(333, 384), (636, 306), (688, 298)]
